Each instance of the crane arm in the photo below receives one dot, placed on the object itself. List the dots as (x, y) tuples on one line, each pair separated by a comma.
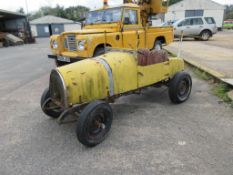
[(150, 7)]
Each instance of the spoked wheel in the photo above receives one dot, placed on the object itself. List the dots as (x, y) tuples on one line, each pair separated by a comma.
[(48, 107), (94, 123), (180, 87)]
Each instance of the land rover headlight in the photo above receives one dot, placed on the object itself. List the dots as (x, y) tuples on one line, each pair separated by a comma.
[(54, 44), (81, 44)]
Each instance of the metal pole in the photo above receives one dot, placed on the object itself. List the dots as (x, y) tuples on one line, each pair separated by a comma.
[(28, 24), (105, 42), (26, 2), (180, 45)]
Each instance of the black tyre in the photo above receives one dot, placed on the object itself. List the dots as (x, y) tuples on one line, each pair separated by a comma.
[(205, 35), (94, 123), (99, 51), (48, 107), (158, 45), (60, 63), (180, 87)]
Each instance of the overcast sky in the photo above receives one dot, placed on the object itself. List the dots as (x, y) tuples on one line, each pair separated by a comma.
[(34, 5)]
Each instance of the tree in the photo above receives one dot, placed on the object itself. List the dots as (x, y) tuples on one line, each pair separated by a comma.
[(20, 10), (73, 13), (229, 12), (76, 13), (171, 2)]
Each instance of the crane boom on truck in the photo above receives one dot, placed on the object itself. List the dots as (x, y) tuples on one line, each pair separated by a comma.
[(149, 8), (123, 26)]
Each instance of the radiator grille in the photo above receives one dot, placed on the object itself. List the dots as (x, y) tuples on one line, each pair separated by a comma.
[(71, 43)]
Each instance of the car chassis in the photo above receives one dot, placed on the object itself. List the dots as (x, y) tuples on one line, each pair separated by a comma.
[(84, 89)]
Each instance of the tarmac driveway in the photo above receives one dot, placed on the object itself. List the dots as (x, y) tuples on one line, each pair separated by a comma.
[(149, 134)]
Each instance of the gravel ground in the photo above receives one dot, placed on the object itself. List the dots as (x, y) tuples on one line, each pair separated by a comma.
[(149, 134)]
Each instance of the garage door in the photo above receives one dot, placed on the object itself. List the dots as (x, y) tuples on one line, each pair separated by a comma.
[(43, 30), (57, 28)]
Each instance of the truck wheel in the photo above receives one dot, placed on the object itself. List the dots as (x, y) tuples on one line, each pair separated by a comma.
[(180, 87), (60, 63), (48, 107), (94, 123), (99, 51), (205, 35), (158, 45)]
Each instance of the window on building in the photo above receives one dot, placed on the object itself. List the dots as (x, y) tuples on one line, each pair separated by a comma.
[(191, 13)]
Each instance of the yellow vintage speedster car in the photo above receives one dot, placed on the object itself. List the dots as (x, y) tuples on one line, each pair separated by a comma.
[(85, 89)]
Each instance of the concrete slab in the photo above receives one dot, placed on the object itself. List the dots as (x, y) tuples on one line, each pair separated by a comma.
[(214, 56)]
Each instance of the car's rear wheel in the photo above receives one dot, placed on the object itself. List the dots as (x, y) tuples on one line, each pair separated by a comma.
[(180, 87), (205, 35), (94, 123), (48, 107)]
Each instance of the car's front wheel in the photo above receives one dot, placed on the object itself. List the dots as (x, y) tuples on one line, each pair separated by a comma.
[(48, 107), (94, 123)]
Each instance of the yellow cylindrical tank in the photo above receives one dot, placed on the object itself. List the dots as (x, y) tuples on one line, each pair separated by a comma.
[(104, 76)]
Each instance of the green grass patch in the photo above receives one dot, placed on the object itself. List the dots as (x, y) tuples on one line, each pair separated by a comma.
[(221, 91), (202, 75)]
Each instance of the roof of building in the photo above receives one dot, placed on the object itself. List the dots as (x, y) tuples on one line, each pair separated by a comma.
[(49, 19), (197, 4), (9, 15)]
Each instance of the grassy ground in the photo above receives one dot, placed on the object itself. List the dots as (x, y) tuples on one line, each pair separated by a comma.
[(219, 89)]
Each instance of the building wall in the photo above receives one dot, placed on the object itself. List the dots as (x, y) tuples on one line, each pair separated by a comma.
[(34, 30), (174, 15), (218, 15), (72, 27), (42, 30)]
